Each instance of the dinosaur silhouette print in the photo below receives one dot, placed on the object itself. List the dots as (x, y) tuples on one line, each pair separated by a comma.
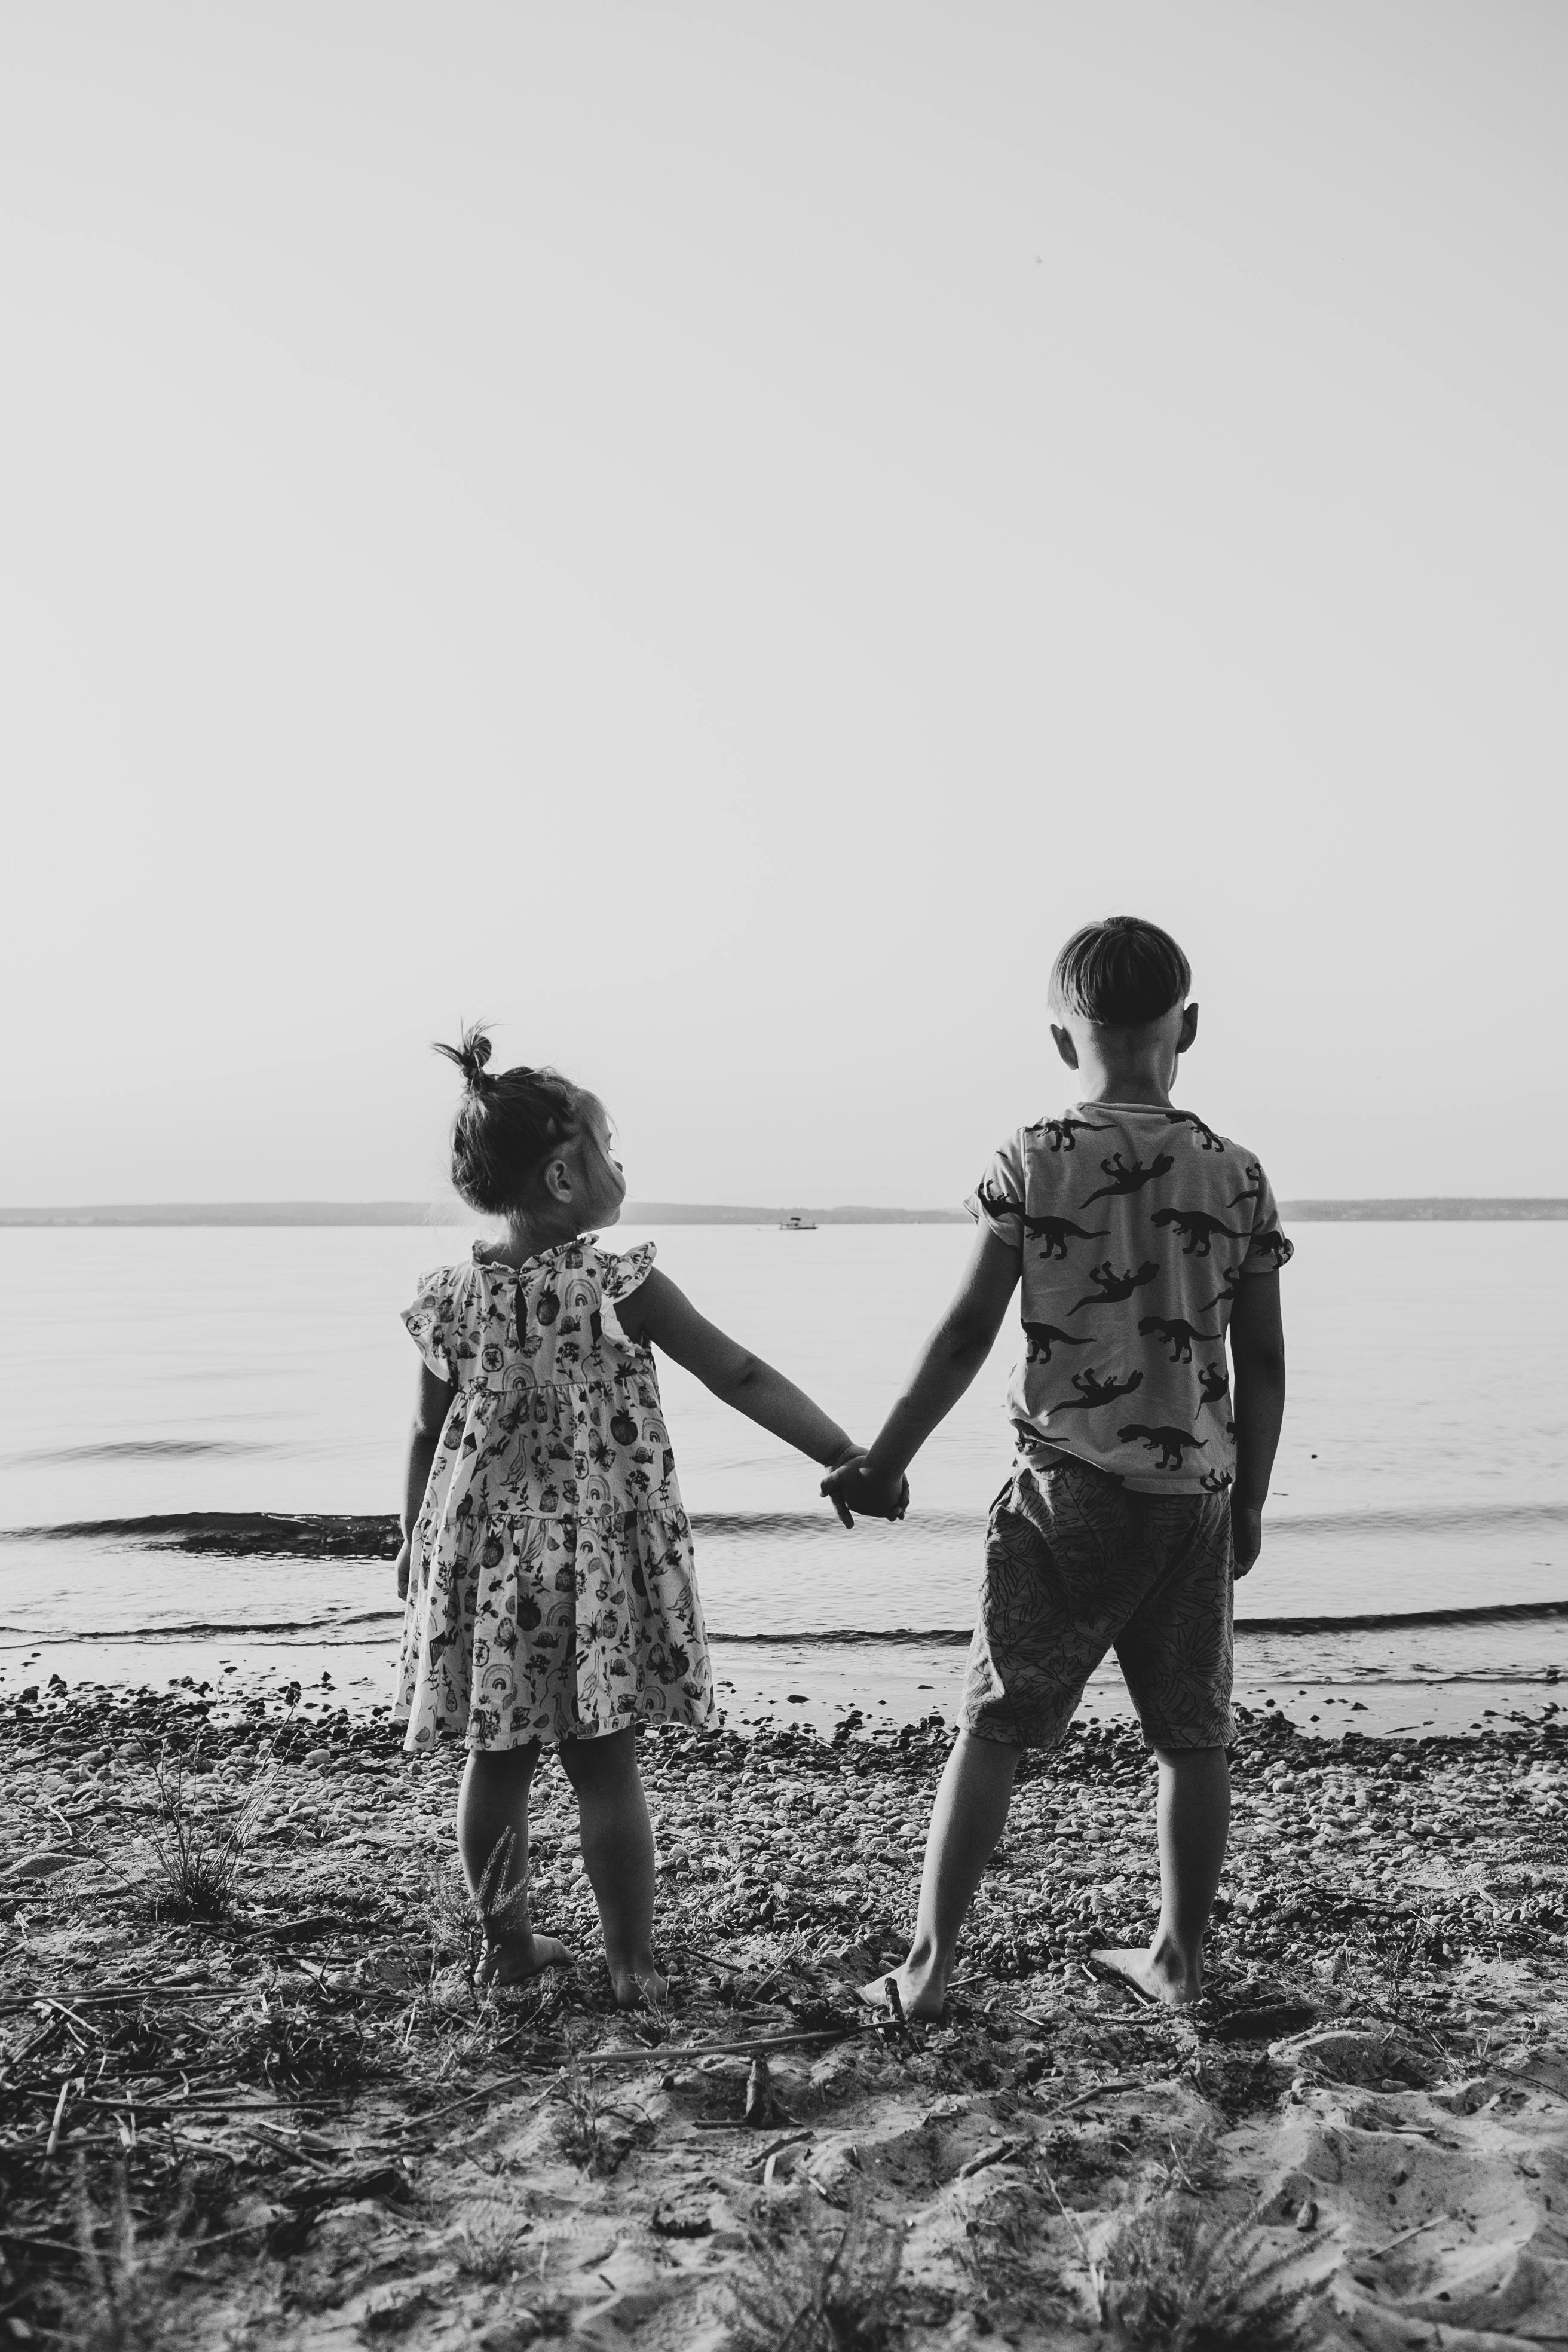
[(1092, 1391), (1124, 1181), (1253, 1191), (1040, 1337), (1213, 1383), (1180, 1335), (1056, 1231), (1167, 1442), (1214, 1482), (1063, 1133), (1274, 1245), (1207, 1140), (1231, 1279), (1197, 1228), (1109, 1289), (996, 1204)]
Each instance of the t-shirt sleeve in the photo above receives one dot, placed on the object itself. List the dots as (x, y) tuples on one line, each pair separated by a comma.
[(436, 1321), (620, 1274), (1268, 1249), (997, 1200)]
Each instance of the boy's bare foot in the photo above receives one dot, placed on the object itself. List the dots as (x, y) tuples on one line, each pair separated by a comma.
[(640, 1988), (917, 1995), (1156, 1973), (512, 1960)]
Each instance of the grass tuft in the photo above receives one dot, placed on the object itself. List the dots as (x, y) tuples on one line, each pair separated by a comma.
[(198, 1845), (462, 1925), (582, 2133), (490, 2240), (1168, 2277), (820, 2282), (120, 2302)]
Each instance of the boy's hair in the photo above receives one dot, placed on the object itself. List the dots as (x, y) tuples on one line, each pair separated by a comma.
[(1122, 973), (505, 1126)]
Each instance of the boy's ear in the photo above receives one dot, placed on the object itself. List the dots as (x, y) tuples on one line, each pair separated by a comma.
[(556, 1178), (1065, 1045), (1188, 1030)]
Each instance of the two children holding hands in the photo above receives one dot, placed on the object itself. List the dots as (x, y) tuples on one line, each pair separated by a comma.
[(548, 1563)]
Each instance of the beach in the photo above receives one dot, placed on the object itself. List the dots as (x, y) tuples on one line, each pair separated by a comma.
[(285, 2116), (331, 2137)]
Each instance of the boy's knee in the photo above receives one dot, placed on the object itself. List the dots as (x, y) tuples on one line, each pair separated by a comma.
[(978, 1751)]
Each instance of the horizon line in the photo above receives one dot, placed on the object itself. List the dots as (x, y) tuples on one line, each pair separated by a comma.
[(1394, 1208)]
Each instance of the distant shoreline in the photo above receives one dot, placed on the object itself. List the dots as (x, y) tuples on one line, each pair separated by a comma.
[(1417, 1210)]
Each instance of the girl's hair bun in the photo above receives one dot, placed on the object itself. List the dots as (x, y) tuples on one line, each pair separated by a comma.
[(507, 1124), (470, 1054)]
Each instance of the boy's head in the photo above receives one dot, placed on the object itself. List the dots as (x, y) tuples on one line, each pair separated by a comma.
[(1120, 987)]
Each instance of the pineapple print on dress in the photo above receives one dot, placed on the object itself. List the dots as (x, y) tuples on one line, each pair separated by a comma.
[(553, 1594)]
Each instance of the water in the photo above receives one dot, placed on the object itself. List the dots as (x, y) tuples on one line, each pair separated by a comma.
[(193, 1371)]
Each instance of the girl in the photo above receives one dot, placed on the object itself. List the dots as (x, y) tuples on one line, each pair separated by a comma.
[(552, 1601)]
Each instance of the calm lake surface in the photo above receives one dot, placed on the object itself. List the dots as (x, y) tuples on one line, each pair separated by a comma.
[(187, 1370)]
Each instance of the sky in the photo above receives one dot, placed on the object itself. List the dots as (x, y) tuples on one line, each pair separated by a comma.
[(714, 535)]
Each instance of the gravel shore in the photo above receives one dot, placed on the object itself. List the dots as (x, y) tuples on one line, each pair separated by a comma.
[(292, 2121)]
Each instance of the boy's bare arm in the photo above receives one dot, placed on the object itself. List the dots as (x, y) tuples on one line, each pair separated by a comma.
[(1257, 1358), (435, 1403), (948, 1363)]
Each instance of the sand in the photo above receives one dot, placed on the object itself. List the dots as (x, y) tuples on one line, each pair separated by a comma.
[(296, 2123)]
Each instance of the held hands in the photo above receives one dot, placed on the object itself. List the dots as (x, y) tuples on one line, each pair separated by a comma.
[(1246, 1534), (403, 1557), (851, 1481)]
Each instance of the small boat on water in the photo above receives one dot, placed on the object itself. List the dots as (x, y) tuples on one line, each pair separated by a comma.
[(797, 1224)]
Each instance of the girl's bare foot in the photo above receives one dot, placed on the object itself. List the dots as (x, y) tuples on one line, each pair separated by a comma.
[(512, 1960), (1158, 1974), (640, 1988), (916, 1994)]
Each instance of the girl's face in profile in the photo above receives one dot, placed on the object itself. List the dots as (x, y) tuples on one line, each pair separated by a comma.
[(599, 1167)]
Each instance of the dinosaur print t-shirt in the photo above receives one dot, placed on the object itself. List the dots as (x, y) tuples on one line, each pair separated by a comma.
[(1135, 1226)]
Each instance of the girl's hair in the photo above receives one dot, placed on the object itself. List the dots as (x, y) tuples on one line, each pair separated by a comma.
[(505, 1126), (1122, 974)]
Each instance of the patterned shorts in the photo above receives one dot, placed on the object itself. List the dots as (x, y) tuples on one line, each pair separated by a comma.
[(1075, 1566)]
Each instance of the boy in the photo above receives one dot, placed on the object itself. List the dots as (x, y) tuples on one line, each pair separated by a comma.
[(1140, 1237)]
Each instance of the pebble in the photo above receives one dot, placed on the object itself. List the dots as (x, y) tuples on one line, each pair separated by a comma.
[(831, 1831)]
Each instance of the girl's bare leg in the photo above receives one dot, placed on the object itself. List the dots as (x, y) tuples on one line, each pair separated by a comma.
[(617, 1854), (492, 1800)]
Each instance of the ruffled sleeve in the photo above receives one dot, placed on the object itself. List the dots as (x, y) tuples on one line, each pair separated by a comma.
[(997, 1200), (439, 1320), (619, 1275), (1268, 1249)]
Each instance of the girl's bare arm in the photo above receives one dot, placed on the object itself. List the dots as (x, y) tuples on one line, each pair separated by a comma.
[(659, 1315), (435, 1403)]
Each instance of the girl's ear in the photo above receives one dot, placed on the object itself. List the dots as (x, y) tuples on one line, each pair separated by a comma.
[(556, 1178)]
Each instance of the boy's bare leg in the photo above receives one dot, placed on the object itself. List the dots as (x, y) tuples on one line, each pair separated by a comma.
[(493, 1799), (966, 1822), (1195, 1824), (617, 1854)]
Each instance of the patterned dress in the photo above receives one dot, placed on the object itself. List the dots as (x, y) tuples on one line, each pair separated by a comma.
[(552, 1593)]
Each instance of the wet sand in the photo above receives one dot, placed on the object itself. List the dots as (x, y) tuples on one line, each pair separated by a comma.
[(1388, 1682), (314, 2132)]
